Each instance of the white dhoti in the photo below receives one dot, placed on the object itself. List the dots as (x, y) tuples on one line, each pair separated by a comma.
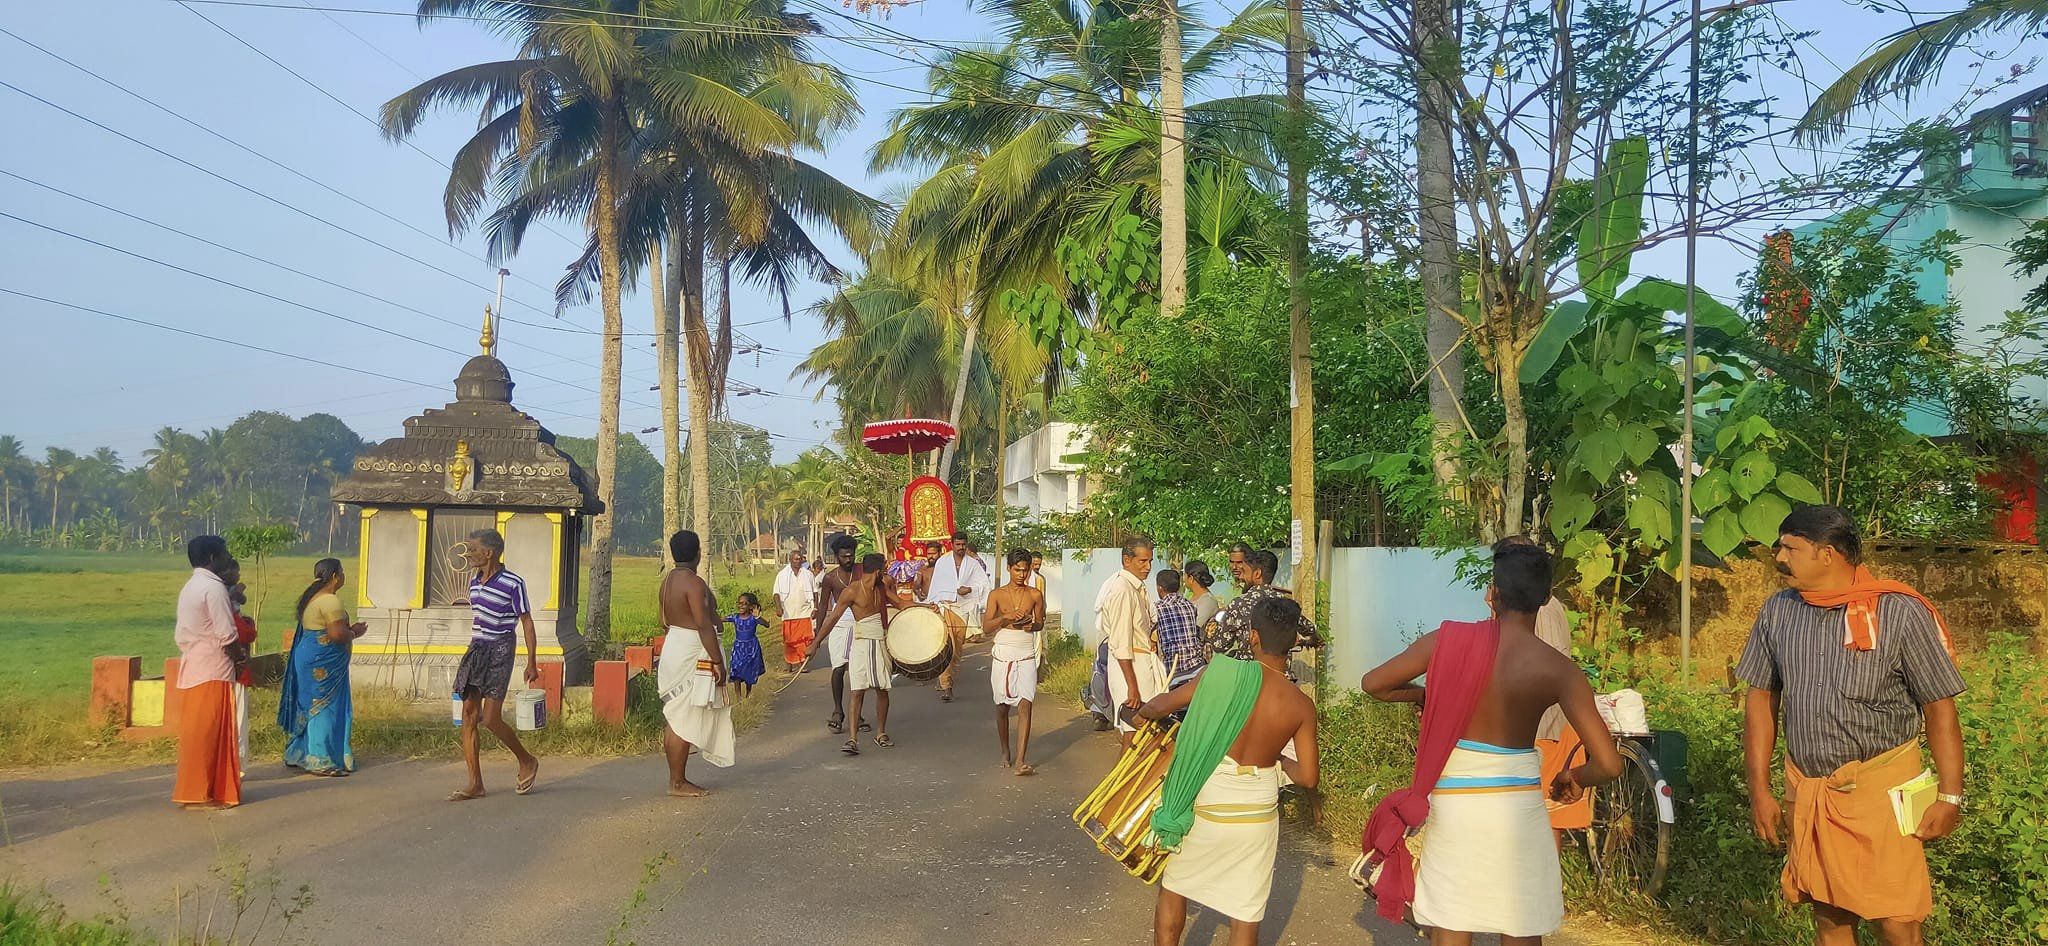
[(691, 698), (867, 666), (1488, 861), (839, 640), (1226, 861), (1013, 666), (1151, 676)]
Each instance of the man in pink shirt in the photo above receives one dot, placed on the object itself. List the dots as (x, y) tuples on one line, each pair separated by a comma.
[(209, 772)]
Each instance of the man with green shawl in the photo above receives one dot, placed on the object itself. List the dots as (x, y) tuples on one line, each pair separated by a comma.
[(1219, 810)]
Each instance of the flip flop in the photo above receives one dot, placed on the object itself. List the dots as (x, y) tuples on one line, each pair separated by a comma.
[(1026, 769), (852, 747), (836, 723), (525, 783), (883, 741), (463, 794), (866, 726)]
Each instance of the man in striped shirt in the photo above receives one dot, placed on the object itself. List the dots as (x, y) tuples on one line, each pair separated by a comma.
[(1855, 668), (497, 603)]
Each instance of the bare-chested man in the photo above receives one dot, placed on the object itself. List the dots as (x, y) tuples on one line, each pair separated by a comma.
[(1488, 862), (868, 668), (692, 671), (1229, 830), (1015, 614), (838, 637)]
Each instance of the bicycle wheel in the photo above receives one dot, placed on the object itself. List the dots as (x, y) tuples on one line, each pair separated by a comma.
[(1630, 838)]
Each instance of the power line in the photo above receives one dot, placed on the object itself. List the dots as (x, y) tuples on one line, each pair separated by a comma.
[(308, 359), (317, 87), (244, 187), (323, 185), (280, 299), (273, 263)]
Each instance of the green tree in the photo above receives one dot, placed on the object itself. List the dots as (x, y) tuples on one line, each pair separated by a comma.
[(565, 97), (638, 491), (1190, 413), (1905, 60)]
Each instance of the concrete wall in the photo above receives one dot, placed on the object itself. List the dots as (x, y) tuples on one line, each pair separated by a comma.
[(1382, 599), (392, 549)]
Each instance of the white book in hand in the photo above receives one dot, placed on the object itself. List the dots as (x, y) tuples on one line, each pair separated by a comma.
[(1911, 799)]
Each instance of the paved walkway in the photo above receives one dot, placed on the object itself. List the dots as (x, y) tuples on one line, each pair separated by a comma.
[(930, 842)]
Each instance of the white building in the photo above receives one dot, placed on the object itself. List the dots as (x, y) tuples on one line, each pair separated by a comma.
[(1038, 475)]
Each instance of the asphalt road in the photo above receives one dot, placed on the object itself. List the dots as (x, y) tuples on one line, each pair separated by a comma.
[(929, 842)]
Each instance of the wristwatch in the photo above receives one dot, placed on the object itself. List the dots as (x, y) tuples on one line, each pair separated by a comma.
[(1956, 800)]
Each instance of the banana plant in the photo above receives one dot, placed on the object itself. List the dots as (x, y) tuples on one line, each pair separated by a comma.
[(1613, 496)]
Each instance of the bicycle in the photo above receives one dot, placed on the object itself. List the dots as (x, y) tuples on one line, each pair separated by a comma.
[(1635, 817)]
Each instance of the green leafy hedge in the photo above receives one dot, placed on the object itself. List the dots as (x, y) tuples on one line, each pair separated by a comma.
[(1991, 877)]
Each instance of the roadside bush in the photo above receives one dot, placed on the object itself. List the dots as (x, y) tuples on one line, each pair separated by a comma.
[(1990, 877)]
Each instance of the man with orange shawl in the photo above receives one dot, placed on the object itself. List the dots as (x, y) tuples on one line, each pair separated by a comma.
[(1855, 668)]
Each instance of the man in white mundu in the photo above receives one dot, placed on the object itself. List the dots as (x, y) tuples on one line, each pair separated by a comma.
[(691, 674), (1125, 617), (956, 588)]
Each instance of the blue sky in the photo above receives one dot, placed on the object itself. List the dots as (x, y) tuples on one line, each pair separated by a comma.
[(80, 380)]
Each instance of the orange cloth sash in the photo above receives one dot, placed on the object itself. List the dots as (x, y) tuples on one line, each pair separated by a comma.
[(1557, 756), (1861, 598), (1845, 847), (796, 639), (209, 771)]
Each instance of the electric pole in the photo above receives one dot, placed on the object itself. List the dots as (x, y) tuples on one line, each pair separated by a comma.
[(1302, 403)]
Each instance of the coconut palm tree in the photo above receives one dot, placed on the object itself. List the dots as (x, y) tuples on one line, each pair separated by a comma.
[(564, 99), (14, 464), (1906, 59), (1018, 131), (58, 465)]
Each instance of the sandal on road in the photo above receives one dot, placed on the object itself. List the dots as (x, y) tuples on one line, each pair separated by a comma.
[(883, 741), (866, 726), (837, 723), (852, 747)]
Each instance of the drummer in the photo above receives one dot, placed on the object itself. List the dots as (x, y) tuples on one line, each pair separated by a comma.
[(867, 599), (1015, 613)]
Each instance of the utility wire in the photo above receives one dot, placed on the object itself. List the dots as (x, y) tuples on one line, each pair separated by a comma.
[(280, 299)]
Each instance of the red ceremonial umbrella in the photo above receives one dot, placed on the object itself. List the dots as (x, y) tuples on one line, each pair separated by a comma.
[(907, 436)]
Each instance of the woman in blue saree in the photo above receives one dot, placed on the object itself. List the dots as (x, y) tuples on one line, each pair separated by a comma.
[(314, 710)]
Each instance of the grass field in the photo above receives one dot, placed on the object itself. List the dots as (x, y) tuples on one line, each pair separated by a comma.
[(64, 608)]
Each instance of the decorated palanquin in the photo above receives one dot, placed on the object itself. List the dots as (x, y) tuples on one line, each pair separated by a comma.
[(927, 511), (927, 501)]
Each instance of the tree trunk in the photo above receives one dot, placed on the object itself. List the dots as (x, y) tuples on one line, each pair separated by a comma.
[(697, 346), (721, 352), (1002, 457), (1173, 172), (665, 325), (959, 392), (1302, 457), (1515, 481), (603, 528), (1437, 219)]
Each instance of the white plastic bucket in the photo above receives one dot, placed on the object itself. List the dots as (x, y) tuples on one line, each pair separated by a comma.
[(529, 709)]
